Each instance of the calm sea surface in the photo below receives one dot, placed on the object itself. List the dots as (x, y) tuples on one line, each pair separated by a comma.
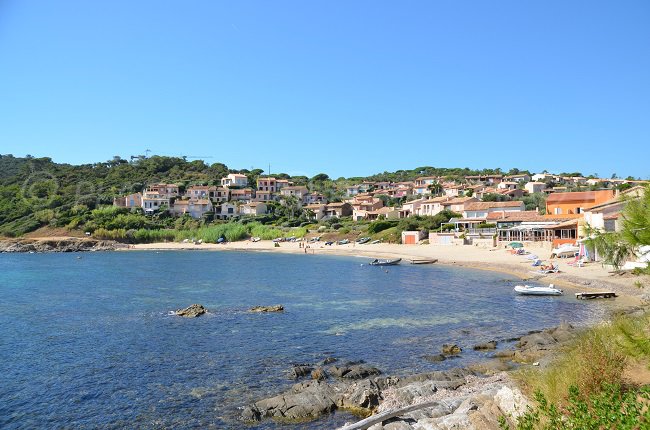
[(89, 343)]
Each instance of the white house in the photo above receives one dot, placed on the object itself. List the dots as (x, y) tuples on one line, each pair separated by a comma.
[(193, 207), (234, 180), (535, 187), (254, 208)]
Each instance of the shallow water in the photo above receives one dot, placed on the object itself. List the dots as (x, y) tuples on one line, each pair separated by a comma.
[(88, 342)]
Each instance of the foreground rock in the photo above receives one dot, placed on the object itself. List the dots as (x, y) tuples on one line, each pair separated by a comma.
[(276, 308), (58, 245), (191, 311)]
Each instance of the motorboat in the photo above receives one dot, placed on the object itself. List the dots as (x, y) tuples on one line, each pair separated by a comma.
[(538, 291), (378, 262)]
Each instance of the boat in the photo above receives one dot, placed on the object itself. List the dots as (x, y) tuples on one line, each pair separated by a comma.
[(378, 262), (538, 291), (424, 261)]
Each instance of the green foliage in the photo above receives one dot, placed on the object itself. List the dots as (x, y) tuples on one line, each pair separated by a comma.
[(611, 408), (377, 226), (535, 201), (636, 220)]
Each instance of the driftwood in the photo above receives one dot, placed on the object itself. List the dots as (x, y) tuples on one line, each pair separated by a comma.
[(381, 417)]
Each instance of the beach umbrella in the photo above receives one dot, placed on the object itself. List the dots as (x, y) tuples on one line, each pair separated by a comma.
[(516, 245)]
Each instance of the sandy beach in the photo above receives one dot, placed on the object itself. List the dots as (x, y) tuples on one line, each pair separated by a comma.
[(590, 277)]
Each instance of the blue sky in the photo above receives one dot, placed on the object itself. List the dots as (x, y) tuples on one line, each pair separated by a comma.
[(342, 87)]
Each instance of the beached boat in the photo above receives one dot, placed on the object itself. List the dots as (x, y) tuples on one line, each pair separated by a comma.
[(424, 260), (378, 262), (538, 291)]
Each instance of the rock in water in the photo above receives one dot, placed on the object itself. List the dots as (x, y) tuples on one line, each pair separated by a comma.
[(451, 348), (191, 311), (276, 308), (487, 345)]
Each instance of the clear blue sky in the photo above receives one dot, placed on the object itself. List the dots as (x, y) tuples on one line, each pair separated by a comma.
[(342, 87)]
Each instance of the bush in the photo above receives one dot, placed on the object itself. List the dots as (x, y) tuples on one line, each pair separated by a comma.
[(378, 226)]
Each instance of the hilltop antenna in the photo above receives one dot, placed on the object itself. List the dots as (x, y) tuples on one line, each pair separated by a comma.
[(146, 153)]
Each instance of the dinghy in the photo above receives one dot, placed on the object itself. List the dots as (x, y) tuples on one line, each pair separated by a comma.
[(538, 291)]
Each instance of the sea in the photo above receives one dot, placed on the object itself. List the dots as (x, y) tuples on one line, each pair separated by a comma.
[(88, 340)]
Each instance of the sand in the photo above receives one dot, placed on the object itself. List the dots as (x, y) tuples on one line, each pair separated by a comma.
[(590, 277)]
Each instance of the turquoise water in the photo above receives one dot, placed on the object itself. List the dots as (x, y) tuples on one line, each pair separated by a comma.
[(88, 342)]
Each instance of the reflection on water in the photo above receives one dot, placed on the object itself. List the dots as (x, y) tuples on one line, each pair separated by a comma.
[(90, 343)]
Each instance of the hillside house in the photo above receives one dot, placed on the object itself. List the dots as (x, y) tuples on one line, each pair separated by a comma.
[(235, 180), (574, 203)]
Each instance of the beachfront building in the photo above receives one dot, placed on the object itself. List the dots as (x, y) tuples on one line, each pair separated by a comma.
[(574, 203), (482, 209), (522, 226), (235, 180)]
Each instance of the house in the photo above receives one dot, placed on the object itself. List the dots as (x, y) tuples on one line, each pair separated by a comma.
[(234, 180), (574, 203), (366, 203), (226, 210), (482, 209), (299, 192), (458, 204), (382, 185), (452, 190), (164, 190), (219, 194), (337, 210), (199, 191), (381, 213), (263, 196), (520, 177), (364, 187), (267, 184), (410, 208), (282, 183), (486, 179), (507, 185), (317, 210), (193, 207), (152, 201), (403, 191), (352, 190), (422, 184), (253, 209), (535, 187), (541, 177), (129, 201), (430, 207), (514, 194), (241, 194), (605, 216), (314, 198)]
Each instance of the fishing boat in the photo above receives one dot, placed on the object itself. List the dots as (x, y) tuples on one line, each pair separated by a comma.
[(378, 262), (538, 291)]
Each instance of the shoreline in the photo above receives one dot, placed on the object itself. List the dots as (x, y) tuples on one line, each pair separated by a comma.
[(590, 277)]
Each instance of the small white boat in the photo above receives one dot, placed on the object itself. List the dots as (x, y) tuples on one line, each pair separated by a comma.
[(538, 291)]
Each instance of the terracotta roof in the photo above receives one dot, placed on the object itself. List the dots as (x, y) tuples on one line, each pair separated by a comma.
[(570, 223), (477, 206), (521, 216)]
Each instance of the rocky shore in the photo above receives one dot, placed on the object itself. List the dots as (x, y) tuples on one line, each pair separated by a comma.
[(59, 245), (469, 398)]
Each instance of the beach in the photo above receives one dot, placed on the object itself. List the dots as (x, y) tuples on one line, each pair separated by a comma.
[(590, 277)]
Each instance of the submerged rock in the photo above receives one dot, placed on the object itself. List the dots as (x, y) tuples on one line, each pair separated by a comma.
[(191, 311), (435, 358), (276, 308), (487, 345)]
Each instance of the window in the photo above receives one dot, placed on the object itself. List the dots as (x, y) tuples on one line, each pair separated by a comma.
[(557, 211)]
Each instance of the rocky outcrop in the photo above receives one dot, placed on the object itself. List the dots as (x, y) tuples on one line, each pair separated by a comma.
[(191, 311), (534, 346), (276, 308), (354, 371), (451, 349), (58, 245)]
